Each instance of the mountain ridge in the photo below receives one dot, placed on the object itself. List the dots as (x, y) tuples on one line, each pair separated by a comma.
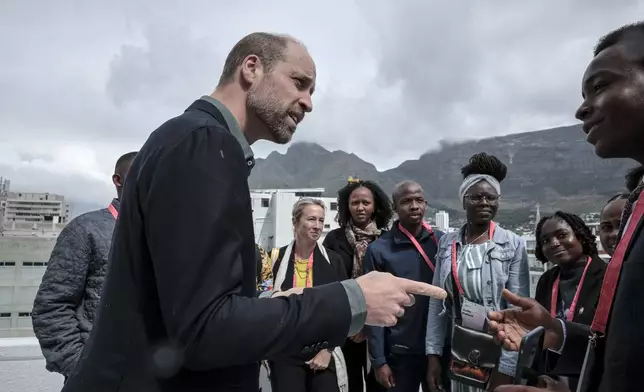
[(555, 168)]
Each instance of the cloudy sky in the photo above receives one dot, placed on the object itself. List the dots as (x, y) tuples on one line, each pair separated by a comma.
[(83, 81)]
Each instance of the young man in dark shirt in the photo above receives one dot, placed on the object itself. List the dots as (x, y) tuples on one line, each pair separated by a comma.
[(613, 117), (408, 250)]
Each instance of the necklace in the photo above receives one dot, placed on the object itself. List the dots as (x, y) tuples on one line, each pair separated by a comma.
[(477, 238), (301, 268)]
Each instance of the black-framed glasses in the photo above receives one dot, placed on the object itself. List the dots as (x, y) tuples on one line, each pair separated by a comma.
[(479, 198)]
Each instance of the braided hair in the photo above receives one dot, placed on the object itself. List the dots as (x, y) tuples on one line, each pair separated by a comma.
[(483, 163), (382, 211), (579, 228)]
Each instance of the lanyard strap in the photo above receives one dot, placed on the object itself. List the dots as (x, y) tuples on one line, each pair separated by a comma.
[(555, 294), (113, 211), (454, 262), (309, 267), (417, 245), (614, 269)]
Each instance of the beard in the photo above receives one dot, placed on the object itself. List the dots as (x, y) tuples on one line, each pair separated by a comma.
[(269, 111)]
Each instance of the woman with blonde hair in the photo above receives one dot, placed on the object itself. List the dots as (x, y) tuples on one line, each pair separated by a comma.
[(305, 263)]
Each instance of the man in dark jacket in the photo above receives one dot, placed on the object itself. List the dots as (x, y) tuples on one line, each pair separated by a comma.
[(408, 250), (180, 302), (66, 302)]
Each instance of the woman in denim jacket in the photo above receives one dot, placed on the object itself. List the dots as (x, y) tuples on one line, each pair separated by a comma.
[(485, 265)]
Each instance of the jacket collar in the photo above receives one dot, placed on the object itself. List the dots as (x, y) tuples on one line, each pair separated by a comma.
[(218, 110), (597, 265), (400, 237), (116, 203)]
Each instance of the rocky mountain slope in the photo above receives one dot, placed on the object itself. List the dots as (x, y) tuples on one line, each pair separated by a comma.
[(556, 168)]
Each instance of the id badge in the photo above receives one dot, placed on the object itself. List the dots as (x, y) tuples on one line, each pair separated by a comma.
[(474, 315)]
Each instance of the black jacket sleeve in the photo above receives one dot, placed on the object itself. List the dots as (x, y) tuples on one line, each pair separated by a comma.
[(574, 351), (191, 216)]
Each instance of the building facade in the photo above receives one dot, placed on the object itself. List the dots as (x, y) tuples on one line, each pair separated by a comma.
[(29, 226), (23, 260), (442, 221), (20, 211), (272, 210)]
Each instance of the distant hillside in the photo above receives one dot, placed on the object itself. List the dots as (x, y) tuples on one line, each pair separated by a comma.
[(556, 168)]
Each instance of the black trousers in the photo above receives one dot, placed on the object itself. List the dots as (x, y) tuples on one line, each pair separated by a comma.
[(355, 356), (291, 377), (410, 372)]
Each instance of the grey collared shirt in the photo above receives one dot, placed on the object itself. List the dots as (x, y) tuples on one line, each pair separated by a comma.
[(234, 128), (354, 292)]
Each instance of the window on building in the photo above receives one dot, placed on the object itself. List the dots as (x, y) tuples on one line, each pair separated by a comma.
[(327, 226), (334, 206), (24, 314), (265, 203), (5, 315)]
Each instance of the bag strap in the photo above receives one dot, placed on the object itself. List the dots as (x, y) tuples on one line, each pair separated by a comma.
[(613, 271), (456, 299)]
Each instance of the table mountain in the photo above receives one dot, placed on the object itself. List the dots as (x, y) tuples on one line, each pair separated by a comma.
[(556, 168)]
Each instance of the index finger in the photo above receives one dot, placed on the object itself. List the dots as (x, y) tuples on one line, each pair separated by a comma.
[(420, 288)]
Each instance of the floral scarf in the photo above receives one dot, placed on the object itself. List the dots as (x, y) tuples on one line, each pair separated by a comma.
[(359, 239)]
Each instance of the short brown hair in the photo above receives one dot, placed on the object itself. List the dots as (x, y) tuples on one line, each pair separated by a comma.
[(268, 47)]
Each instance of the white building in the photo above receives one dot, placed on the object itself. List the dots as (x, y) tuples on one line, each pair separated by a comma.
[(29, 226), (272, 214), (23, 260), (442, 221), (33, 211)]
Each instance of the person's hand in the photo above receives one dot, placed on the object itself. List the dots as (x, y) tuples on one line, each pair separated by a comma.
[(385, 376), (511, 325), (320, 361), (359, 337), (545, 384), (434, 378), (386, 296), (295, 290)]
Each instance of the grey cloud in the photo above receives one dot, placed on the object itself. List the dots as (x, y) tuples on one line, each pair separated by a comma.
[(394, 79)]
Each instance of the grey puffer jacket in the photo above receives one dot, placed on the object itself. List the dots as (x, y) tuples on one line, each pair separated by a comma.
[(68, 297)]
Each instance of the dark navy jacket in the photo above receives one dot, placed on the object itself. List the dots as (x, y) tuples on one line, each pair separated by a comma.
[(393, 252)]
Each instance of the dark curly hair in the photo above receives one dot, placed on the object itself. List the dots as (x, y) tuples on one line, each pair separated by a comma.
[(483, 163), (382, 211), (579, 227), (634, 177)]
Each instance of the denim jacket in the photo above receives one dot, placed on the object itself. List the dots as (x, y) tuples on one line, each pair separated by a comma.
[(506, 266)]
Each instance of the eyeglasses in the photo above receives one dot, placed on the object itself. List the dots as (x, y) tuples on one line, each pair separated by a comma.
[(479, 198)]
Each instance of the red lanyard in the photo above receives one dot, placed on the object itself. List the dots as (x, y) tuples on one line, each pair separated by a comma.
[(309, 267), (555, 294), (113, 211), (614, 269), (454, 264), (417, 245)]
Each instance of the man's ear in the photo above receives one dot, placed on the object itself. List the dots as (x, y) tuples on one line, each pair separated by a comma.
[(251, 69), (116, 180)]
